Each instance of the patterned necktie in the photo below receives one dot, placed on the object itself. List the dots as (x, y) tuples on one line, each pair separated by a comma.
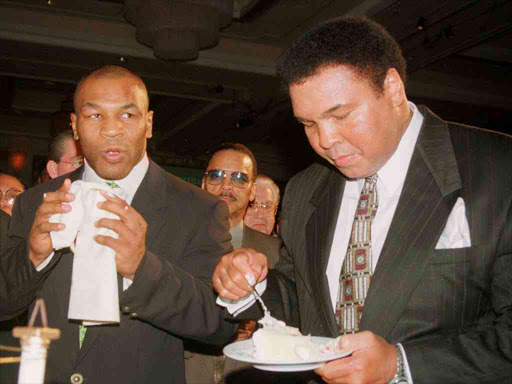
[(357, 267), (82, 329)]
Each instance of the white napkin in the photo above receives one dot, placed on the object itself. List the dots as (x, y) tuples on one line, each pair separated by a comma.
[(94, 297), (456, 233), (235, 307)]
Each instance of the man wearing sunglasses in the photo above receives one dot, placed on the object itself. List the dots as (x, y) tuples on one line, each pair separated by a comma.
[(230, 175), (64, 154)]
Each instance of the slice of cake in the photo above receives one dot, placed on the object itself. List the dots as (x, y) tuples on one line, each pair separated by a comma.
[(278, 342)]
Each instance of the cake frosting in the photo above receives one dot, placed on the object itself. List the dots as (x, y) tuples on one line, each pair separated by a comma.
[(276, 341)]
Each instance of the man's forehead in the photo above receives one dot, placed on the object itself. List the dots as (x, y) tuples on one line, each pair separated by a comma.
[(114, 85), (8, 182), (230, 160)]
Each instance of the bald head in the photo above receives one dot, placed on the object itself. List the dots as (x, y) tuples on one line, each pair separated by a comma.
[(109, 72)]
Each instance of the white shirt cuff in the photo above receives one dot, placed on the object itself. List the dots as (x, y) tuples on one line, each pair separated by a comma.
[(46, 261), (407, 370), (235, 307)]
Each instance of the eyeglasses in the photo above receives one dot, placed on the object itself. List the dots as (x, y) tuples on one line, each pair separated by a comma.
[(265, 207), (217, 176), (75, 161), (10, 195)]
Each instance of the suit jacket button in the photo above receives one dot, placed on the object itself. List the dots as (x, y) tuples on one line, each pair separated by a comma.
[(76, 378), (126, 310), (133, 315)]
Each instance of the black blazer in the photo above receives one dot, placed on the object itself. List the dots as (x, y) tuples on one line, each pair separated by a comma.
[(170, 298), (451, 309)]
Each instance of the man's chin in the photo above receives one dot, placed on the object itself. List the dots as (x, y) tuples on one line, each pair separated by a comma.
[(111, 172)]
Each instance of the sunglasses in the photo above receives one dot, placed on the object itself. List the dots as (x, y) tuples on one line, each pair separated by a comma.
[(217, 176)]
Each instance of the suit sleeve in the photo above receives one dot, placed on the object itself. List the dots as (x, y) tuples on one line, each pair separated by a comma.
[(180, 299), (19, 280), (280, 296)]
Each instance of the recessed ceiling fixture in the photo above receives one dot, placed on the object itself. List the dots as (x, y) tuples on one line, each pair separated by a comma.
[(178, 29)]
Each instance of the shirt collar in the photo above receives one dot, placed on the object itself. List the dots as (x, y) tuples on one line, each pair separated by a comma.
[(129, 184), (392, 174)]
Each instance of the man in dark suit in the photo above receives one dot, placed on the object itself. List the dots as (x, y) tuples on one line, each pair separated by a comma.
[(438, 307), (230, 175), (170, 237)]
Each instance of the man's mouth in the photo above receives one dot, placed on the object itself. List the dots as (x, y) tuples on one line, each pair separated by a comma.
[(344, 160)]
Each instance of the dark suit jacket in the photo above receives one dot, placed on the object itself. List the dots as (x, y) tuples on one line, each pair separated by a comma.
[(170, 298), (451, 309), (4, 225), (199, 362)]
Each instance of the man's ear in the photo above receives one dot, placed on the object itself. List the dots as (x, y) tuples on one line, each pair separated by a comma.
[(73, 126), (52, 168), (394, 87), (252, 195)]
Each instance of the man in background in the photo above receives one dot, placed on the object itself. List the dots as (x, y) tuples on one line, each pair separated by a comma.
[(230, 175), (170, 236), (64, 154), (10, 188), (261, 213)]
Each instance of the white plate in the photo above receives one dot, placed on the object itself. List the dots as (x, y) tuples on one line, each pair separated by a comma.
[(244, 350)]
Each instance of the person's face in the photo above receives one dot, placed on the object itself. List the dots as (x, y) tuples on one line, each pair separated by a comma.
[(259, 218), (12, 187), (236, 198), (347, 122), (113, 123), (70, 160)]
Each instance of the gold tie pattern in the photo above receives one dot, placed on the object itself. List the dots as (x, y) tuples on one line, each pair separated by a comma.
[(357, 267)]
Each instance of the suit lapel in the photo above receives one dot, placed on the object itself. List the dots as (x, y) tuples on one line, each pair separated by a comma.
[(325, 203), (151, 196), (429, 193)]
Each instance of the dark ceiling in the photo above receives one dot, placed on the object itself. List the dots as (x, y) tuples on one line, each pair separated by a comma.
[(460, 65)]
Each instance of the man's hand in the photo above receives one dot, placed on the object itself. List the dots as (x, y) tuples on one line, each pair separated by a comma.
[(131, 227), (231, 275), (40, 242), (372, 362)]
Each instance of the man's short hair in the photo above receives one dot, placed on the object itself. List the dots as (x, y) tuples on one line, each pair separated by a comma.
[(56, 146), (237, 148), (264, 179), (357, 42)]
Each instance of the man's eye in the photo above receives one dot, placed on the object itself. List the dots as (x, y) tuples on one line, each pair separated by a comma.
[(126, 115), (95, 116)]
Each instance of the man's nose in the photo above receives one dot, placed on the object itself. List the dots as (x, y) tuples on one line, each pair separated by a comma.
[(226, 183), (112, 127), (328, 135)]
